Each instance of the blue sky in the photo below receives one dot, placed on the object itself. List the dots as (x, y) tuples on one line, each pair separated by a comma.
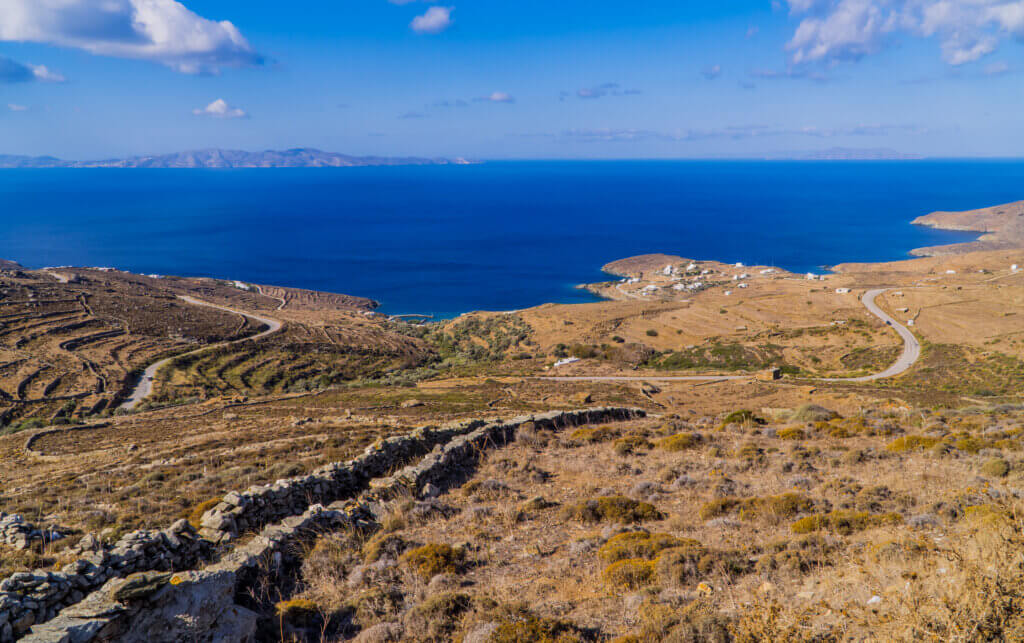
[(532, 79)]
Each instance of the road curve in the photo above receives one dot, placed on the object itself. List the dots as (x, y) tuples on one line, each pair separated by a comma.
[(911, 353), (145, 385), (911, 347)]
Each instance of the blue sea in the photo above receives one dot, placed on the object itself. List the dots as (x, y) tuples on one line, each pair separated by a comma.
[(444, 240)]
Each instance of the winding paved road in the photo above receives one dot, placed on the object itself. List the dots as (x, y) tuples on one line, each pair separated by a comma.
[(911, 347), (911, 353), (145, 385)]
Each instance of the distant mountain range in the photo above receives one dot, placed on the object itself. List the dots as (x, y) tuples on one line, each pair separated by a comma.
[(215, 158)]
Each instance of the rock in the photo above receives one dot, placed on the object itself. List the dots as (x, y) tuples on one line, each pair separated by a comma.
[(193, 602), (382, 633), (141, 585), (429, 491), (650, 389), (411, 404)]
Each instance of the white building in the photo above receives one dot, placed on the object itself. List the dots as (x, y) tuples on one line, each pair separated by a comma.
[(692, 266), (842, 291), (667, 271), (567, 360), (742, 286)]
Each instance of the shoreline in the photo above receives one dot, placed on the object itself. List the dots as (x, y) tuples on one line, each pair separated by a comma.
[(999, 227)]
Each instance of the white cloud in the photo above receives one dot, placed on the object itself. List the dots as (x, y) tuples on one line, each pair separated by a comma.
[(161, 31), (12, 71), (17, 108), (837, 30), (42, 73), (435, 20), (498, 97), (220, 109)]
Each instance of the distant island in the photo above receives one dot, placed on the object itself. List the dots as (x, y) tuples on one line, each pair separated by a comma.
[(224, 159)]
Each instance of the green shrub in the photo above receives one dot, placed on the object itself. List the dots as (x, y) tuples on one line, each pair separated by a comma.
[(435, 558), (631, 444), (680, 441), (631, 573), (537, 630), (742, 416), (996, 468), (911, 443), (684, 565), (792, 433), (618, 509), (844, 522), (651, 332), (384, 544), (784, 505), (595, 434), (812, 413), (639, 544)]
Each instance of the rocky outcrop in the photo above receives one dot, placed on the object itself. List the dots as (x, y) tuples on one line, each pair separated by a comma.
[(155, 608)]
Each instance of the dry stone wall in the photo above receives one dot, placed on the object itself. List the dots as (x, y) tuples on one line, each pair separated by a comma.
[(116, 613)]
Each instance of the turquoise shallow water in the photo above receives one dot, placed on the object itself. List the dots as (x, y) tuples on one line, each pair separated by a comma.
[(497, 236)]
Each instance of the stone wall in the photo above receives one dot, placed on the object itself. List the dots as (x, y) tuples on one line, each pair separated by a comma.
[(114, 612), (17, 533)]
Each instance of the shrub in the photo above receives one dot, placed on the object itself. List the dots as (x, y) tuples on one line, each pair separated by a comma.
[(639, 544), (971, 444), (844, 522), (996, 468), (437, 617), (812, 413), (742, 416), (537, 630), (631, 444), (651, 332), (683, 565), (911, 443), (680, 441), (631, 573), (793, 433), (618, 509), (298, 612), (785, 505), (435, 558), (595, 434), (718, 507), (384, 544)]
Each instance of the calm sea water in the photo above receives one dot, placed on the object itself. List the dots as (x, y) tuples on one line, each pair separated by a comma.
[(497, 236)]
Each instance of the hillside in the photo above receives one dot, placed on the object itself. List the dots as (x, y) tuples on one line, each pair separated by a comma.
[(701, 463)]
